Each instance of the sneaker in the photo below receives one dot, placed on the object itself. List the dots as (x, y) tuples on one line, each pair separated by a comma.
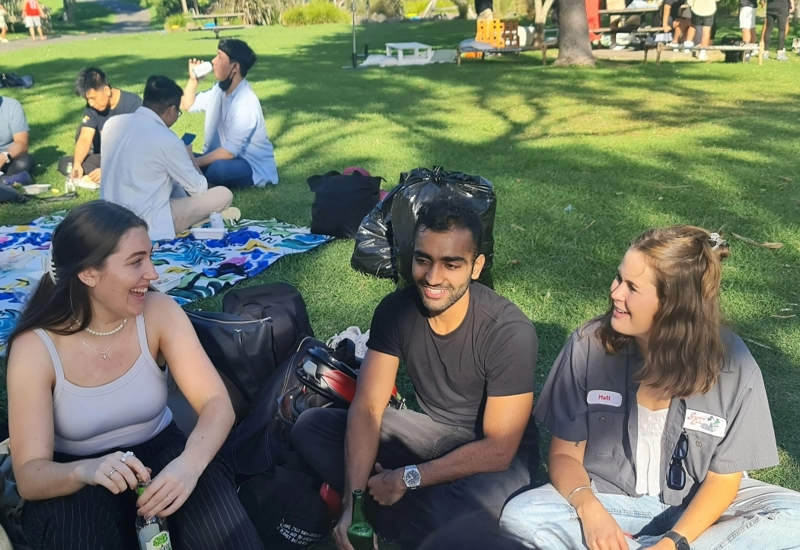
[(765, 55), (675, 47), (782, 56), (21, 178), (702, 56), (4, 40), (354, 334), (688, 44), (618, 47)]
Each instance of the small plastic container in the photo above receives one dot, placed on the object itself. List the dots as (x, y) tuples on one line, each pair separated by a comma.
[(216, 220), (167, 282), (206, 233), (36, 189)]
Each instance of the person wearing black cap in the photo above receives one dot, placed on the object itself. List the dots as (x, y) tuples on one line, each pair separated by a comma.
[(237, 151)]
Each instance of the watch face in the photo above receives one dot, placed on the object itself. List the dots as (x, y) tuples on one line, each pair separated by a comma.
[(411, 477)]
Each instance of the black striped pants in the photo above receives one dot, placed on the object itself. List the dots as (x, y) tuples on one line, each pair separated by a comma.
[(95, 518)]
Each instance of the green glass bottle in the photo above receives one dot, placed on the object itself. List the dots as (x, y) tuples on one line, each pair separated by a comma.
[(360, 533), (152, 534)]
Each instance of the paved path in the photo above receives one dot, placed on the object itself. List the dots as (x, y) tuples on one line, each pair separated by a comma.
[(129, 18)]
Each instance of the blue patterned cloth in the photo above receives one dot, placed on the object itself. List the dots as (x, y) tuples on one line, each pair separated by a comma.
[(207, 267)]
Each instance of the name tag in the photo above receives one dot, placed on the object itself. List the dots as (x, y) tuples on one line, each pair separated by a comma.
[(604, 397), (704, 422)]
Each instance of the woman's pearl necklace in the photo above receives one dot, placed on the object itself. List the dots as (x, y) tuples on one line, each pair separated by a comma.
[(109, 333)]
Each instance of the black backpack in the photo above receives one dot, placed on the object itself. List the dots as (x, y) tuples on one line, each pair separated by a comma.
[(733, 40), (341, 202)]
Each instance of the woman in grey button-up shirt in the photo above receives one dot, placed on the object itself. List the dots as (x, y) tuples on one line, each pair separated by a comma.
[(661, 351)]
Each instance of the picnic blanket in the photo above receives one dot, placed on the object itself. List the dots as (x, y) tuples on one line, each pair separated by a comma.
[(207, 267)]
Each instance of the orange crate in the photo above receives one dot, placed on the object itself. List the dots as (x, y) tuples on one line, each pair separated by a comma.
[(498, 33)]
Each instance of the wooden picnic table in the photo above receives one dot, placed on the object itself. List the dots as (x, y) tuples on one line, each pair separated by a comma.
[(217, 17), (625, 11)]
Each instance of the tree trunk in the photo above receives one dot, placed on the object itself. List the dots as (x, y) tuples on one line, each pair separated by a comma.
[(196, 7), (69, 10), (574, 47), (184, 7)]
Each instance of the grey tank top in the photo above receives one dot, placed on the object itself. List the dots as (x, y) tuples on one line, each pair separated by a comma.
[(127, 411)]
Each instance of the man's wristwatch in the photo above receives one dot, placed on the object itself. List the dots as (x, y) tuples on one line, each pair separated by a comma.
[(680, 541), (8, 156), (411, 477)]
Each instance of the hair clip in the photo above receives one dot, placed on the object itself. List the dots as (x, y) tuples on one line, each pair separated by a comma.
[(717, 241), (48, 266)]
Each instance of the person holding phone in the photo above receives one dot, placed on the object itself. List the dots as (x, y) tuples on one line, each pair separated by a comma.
[(656, 411), (153, 172)]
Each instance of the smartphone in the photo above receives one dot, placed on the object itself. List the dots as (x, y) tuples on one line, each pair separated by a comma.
[(188, 138)]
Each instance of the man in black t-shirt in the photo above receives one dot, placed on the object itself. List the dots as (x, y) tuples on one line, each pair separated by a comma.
[(102, 102), (471, 356)]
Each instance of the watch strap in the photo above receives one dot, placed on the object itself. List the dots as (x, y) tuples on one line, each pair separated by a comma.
[(680, 541)]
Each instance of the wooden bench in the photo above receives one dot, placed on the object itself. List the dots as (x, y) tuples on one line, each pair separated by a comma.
[(546, 43), (221, 23), (660, 47)]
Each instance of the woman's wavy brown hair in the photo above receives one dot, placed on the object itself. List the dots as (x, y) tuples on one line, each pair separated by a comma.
[(685, 352)]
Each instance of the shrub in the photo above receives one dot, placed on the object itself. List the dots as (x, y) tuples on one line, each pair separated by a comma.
[(315, 13), (389, 8), (177, 20)]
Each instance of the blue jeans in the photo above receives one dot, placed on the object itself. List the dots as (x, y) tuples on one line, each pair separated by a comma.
[(761, 516), (233, 173)]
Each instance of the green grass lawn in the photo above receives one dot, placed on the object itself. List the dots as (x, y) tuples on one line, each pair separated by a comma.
[(628, 146)]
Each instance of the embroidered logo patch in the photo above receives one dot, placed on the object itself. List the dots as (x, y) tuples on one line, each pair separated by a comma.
[(704, 422), (604, 397), (86, 119)]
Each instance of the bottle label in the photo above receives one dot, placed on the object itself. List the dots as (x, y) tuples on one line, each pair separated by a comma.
[(154, 539)]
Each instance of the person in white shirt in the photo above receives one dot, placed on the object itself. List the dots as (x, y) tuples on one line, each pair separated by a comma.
[(148, 169), (237, 151)]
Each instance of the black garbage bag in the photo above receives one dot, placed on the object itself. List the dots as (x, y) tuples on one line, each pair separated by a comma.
[(422, 185), (341, 202), (373, 250)]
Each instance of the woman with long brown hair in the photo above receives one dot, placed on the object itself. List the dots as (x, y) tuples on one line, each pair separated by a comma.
[(656, 411), (87, 401)]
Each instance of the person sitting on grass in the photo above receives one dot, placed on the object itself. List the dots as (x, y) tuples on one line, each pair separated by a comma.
[(237, 151), (87, 400), (471, 356), (656, 410), (102, 103), (151, 171), (16, 164)]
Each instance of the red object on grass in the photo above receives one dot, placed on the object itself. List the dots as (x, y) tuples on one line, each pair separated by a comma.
[(352, 169), (332, 499)]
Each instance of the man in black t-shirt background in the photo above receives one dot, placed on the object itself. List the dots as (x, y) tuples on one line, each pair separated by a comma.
[(102, 102), (471, 356)]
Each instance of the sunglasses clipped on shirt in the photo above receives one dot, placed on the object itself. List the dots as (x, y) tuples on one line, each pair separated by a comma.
[(676, 474)]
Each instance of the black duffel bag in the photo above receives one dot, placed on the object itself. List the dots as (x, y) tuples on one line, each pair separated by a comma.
[(240, 349), (341, 202)]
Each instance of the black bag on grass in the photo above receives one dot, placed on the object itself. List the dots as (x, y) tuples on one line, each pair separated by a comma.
[(422, 185), (282, 303), (286, 508), (733, 40), (341, 202), (373, 250), (13, 80), (263, 438), (240, 349), (9, 194)]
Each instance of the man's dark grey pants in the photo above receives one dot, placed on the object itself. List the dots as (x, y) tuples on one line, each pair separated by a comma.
[(409, 438)]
